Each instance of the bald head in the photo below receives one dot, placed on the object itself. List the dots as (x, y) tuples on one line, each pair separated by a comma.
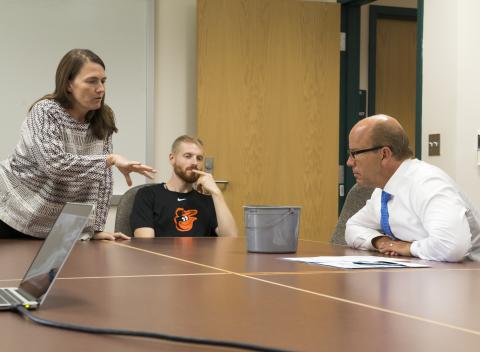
[(383, 130)]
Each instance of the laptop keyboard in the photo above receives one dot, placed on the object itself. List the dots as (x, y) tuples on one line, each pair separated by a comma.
[(7, 298)]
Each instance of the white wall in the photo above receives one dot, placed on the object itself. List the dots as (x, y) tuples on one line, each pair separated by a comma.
[(468, 113), (29, 60), (175, 81), (175, 78), (451, 56), (440, 39)]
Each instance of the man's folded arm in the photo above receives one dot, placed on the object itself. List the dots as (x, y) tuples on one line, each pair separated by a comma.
[(360, 228), (144, 232), (444, 218)]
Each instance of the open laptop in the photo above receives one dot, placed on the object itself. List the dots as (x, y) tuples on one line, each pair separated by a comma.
[(49, 260)]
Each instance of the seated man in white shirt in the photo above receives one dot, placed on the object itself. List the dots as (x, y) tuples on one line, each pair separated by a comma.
[(416, 209)]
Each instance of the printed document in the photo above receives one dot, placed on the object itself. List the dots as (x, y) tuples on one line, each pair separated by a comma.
[(359, 262)]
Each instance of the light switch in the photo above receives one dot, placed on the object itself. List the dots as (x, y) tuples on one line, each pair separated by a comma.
[(209, 164), (434, 144), (478, 148)]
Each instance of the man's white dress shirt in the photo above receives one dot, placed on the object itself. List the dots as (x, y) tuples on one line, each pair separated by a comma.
[(426, 209)]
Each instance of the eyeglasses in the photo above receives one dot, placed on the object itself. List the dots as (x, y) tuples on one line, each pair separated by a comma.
[(353, 153)]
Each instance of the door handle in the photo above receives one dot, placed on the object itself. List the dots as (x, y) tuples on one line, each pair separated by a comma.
[(223, 183)]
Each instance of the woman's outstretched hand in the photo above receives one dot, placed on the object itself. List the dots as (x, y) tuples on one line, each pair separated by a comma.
[(126, 167)]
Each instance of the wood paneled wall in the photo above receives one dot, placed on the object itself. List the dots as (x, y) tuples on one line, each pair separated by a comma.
[(268, 104)]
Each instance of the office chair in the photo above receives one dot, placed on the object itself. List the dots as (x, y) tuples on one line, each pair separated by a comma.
[(355, 200), (124, 209)]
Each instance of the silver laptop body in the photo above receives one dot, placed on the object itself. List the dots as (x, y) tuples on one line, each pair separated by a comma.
[(49, 260)]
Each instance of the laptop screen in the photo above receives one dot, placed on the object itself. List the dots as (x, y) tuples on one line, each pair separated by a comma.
[(55, 249)]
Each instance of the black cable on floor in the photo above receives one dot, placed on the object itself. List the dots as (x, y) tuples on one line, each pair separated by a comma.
[(105, 331)]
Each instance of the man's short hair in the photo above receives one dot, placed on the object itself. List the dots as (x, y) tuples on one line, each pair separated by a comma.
[(185, 139), (394, 136)]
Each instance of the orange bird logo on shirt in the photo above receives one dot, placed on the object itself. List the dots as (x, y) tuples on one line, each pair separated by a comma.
[(184, 219)]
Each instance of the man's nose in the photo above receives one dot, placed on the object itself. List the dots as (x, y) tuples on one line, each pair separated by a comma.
[(350, 161)]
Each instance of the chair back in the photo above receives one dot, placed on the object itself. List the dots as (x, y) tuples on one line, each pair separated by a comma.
[(124, 209), (355, 200)]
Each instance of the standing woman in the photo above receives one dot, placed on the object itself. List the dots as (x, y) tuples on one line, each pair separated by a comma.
[(64, 154)]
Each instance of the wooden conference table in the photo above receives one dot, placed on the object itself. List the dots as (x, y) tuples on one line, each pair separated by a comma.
[(212, 288)]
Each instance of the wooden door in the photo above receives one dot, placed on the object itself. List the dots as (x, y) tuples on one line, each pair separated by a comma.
[(396, 72), (268, 104)]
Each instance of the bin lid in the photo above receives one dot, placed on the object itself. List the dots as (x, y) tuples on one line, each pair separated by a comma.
[(272, 206)]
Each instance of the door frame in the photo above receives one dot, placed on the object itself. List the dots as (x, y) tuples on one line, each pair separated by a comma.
[(350, 99), (349, 89), (388, 12)]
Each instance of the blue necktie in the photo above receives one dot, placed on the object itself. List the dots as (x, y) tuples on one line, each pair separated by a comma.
[(384, 215)]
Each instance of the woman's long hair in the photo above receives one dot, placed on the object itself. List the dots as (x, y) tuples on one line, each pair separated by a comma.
[(102, 120)]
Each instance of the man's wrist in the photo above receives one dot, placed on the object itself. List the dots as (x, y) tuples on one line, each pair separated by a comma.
[(375, 241), (216, 193)]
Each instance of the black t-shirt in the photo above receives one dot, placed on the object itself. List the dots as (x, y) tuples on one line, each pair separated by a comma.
[(173, 214)]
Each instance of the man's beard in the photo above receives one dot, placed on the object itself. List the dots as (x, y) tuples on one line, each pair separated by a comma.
[(189, 178)]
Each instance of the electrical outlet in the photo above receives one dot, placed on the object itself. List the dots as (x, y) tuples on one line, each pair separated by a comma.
[(434, 144)]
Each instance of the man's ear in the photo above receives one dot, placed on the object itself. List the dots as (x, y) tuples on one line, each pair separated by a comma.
[(171, 158), (386, 153)]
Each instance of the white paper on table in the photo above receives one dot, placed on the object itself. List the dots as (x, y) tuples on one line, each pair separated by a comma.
[(359, 262)]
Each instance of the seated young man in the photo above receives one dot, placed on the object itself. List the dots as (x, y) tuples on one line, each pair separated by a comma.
[(176, 208)]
